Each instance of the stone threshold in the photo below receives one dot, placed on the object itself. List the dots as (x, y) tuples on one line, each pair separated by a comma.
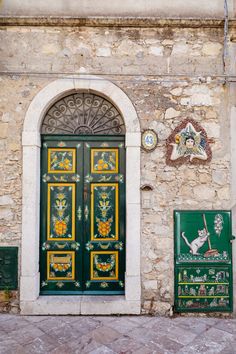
[(80, 305), (69, 21)]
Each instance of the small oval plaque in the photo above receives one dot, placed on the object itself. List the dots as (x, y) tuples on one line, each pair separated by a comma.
[(149, 140)]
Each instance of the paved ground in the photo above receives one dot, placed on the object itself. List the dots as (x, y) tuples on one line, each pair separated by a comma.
[(125, 334)]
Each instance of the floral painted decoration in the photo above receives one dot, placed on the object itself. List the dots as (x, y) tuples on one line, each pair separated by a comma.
[(104, 222), (104, 266), (61, 161), (104, 161), (218, 224), (188, 143), (60, 222)]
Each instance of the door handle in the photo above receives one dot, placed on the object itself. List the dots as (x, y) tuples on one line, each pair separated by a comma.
[(232, 239)]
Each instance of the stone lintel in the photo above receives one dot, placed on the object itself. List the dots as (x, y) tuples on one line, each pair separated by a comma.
[(69, 21)]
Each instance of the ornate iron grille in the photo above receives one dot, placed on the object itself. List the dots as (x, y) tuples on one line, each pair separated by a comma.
[(83, 113)]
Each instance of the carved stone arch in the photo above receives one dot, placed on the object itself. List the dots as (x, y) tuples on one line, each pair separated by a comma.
[(30, 301)]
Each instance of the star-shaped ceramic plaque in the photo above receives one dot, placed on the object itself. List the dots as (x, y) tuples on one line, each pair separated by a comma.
[(188, 144)]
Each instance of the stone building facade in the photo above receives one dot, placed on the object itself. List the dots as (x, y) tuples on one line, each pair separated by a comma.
[(169, 70)]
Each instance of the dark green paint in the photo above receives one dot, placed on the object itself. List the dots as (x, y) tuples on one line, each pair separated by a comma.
[(203, 266), (95, 285), (8, 268), (82, 225)]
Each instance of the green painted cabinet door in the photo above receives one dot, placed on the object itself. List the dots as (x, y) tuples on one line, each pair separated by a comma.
[(203, 261), (82, 215)]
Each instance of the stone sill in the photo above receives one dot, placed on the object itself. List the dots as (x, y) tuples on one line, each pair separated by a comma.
[(81, 305), (68, 21)]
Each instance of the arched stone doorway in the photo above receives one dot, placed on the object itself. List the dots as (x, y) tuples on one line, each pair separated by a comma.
[(31, 301), (82, 228)]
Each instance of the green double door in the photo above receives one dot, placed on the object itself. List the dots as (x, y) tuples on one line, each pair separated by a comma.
[(82, 245)]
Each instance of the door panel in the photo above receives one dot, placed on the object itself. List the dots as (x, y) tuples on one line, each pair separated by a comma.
[(61, 212), (104, 221), (61, 228), (82, 215), (105, 181)]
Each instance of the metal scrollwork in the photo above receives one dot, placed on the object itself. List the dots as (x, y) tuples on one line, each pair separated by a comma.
[(83, 113)]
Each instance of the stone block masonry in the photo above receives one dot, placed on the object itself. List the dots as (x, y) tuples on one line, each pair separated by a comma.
[(169, 75)]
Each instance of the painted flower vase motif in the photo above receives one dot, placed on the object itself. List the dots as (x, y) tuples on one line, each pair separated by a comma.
[(105, 220), (60, 221)]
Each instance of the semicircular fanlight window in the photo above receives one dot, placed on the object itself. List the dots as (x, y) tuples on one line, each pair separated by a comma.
[(85, 114)]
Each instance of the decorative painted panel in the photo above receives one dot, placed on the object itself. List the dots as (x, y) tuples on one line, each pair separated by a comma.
[(105, 217), (61, 160), (104, 160), (60, 265), (204, 288), (203, 236), (61, 211), (104, 211), (104, 265), (203, 261)]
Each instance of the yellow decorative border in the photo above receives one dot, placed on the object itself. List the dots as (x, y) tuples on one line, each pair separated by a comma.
[(116, 185), (92, 262), (72, 267), (72, 212), (116, 151), (65, 150)]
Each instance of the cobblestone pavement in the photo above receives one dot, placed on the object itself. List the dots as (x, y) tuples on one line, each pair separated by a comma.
[(124, 334)]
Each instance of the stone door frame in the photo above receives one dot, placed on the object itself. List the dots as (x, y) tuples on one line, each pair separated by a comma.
[(30, 301)]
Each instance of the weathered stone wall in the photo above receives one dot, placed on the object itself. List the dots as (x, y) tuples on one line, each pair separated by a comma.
[(184, 187), (146, 63), (131, 51)]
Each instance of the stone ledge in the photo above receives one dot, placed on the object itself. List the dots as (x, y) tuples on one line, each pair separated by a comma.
[(69, 21), (80, 305)]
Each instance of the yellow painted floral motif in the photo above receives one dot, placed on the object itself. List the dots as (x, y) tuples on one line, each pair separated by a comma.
[(104, 266), (65, 165), (60, 263), (60, 227), (104, 227), (107, 162), (60, 267), (61, 160), (104, 161), (104, 223)]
